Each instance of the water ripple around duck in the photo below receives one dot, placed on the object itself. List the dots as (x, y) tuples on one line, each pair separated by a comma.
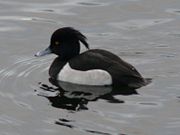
[(21, 72)]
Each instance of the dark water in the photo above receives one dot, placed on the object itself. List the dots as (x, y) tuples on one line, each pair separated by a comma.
[(144, 33)]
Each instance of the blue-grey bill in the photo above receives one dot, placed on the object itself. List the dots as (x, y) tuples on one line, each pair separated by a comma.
[(44, 52)]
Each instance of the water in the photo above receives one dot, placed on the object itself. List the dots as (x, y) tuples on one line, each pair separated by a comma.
[(144, 33)]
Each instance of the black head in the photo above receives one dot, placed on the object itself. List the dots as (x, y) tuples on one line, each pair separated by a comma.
[(65, 42)]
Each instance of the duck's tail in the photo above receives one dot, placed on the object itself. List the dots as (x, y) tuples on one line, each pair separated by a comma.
[(140, 83), (147, 81)]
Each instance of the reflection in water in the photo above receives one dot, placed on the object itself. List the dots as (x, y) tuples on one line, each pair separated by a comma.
[(76, 97), (64, 122), (67, 123), (97, 132)]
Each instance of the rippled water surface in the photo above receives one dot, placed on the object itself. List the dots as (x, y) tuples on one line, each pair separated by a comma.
[(144, 33)]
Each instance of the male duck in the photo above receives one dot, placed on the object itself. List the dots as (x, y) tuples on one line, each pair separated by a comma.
[(93, 67)]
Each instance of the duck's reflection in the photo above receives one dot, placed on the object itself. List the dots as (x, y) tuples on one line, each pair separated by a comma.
[(76, 97)]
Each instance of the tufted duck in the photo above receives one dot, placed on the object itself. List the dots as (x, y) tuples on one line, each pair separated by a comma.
[(93, 67)]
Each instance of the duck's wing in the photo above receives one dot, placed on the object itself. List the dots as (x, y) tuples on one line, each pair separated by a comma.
[(92, 59), (122, 72), (102, 59)]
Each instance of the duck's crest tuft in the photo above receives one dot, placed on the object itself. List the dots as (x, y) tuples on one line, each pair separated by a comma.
[(70, 32)]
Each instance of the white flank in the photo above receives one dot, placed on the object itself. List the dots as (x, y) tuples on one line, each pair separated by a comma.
[(96, 77)]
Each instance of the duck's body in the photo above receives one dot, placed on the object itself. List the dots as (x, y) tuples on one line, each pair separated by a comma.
[(95, 61), (93, 67)]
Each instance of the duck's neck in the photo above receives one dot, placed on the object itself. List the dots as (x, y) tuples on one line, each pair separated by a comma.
[(55, 67)]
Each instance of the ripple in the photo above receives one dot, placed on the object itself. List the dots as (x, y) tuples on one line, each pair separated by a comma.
[(173, 11), (18, 74), (175, 34), (48, 131), (47, 8), (10, 28), (5, 119), (140, 23), (9, 23), (169, 55), (97, 132), (9, 133), (91, 4), (23, 104), (174, 123), (150, 104), (61, 8), (25, 18)]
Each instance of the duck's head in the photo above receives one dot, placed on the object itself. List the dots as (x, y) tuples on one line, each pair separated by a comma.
[(65, 42)]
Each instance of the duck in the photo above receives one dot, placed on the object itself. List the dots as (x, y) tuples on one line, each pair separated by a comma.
[(94, 67)]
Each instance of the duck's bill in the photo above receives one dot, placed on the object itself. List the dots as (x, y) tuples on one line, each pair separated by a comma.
[(43, 53)]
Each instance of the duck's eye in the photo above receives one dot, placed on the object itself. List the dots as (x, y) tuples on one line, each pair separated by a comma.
[(56, 43)]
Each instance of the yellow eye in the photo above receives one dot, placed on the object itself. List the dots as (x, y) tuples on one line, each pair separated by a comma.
[(56, 43)]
